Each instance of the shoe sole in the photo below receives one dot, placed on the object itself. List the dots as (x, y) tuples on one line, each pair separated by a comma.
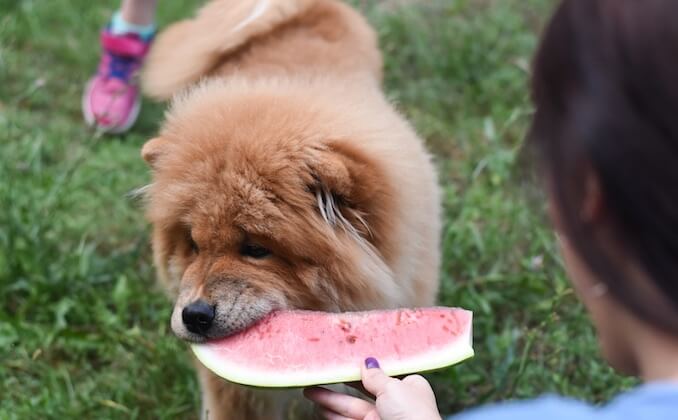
[(91, 120)]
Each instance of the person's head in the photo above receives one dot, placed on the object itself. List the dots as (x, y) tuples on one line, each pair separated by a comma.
[(605, 130)]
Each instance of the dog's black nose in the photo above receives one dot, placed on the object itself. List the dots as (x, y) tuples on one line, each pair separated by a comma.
[(198, 317)]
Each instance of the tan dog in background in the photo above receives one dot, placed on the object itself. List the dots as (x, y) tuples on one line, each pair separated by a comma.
[(284, 180)]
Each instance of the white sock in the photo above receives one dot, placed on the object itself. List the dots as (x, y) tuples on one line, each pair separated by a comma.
[(120, 26)]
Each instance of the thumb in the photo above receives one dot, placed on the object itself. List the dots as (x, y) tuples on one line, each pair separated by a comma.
[(372, 415), (374, 379)]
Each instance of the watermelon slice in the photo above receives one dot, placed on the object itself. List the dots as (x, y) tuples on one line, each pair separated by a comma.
[(302, 348)]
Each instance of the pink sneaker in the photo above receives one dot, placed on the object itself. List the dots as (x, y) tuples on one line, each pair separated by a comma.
[(111, 101)]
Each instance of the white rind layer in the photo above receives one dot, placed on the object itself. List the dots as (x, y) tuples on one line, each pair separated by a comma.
[(457, 351)]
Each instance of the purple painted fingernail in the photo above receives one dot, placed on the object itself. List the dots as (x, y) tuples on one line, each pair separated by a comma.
[(371, 363)]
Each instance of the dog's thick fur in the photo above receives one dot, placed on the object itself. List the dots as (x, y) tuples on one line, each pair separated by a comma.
[(290, 146)]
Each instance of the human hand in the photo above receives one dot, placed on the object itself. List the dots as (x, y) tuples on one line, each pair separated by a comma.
[(408, 399)]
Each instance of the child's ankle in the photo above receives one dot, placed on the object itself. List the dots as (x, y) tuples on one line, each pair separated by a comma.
[(119, 26)]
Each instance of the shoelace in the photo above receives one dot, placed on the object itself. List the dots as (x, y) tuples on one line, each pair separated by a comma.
[(122, 67)]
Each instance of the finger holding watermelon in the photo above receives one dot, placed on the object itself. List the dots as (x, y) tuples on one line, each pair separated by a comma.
[(407, 399)]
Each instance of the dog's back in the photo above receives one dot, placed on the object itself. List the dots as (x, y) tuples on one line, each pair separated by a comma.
[(263, 38)]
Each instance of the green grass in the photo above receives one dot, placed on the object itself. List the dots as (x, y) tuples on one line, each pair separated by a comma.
[(84, 330)]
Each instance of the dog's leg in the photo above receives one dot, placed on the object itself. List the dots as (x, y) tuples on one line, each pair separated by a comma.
[(222, 400)]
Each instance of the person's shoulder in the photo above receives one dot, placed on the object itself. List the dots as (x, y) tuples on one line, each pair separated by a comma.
[(548, 407), (652, 402), (656, 401)]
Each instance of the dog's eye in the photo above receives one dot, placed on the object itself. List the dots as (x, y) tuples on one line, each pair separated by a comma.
[(194, 246), (254, 251)]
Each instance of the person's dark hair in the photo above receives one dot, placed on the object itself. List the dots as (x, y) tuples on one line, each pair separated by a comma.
[(605, 87)]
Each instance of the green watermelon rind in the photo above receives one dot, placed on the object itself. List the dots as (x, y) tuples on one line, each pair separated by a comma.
[(459, 350)]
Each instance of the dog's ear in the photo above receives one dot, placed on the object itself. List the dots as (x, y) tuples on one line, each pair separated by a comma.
[(347, 187), (153, 149)]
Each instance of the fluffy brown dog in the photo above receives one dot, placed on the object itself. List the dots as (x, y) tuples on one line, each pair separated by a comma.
[(285, 180)]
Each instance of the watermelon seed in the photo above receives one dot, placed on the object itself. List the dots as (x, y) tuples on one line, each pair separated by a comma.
[(345, 325)]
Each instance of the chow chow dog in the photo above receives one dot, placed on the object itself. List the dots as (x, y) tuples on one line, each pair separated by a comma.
[(282, 178)]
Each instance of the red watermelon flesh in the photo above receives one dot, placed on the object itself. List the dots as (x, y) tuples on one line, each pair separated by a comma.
[(302, 348)]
